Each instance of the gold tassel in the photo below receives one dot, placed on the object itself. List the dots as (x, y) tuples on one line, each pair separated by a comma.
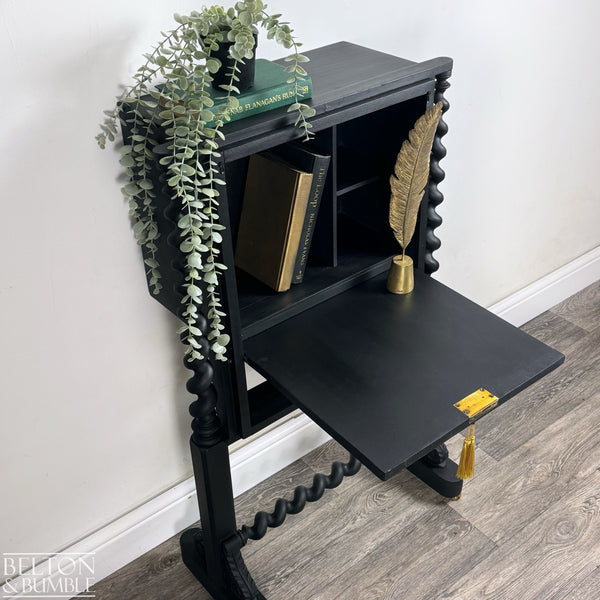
[(466, 465)]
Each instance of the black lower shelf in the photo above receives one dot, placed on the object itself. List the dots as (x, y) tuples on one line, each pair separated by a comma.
[(381, 372), (261, 307)]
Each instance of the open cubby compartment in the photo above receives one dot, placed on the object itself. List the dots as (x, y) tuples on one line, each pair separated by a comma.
[(367, 148), (363, 222), (235, 176)]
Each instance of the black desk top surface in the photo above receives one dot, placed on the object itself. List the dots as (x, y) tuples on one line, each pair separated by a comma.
[(380, 372)]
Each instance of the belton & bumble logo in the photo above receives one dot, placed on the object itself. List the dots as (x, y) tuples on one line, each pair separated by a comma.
[(38, 575)]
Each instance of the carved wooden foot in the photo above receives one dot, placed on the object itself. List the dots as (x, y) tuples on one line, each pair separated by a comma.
[(438, 472), (237, 583)]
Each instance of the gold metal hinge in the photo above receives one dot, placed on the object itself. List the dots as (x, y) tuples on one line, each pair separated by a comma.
[(477, 404)]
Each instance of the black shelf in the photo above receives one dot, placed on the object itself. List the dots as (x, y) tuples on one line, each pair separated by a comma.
[(357, 186), (381, 372), (261, 307)]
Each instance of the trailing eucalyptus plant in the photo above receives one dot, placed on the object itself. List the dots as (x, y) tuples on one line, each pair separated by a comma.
[(169, 97)]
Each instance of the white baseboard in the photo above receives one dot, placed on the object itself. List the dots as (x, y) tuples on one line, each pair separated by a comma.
[(137, 532), (548, 291)]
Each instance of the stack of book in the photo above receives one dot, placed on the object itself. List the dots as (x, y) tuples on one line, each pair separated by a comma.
[(281, 201), (270, 90)]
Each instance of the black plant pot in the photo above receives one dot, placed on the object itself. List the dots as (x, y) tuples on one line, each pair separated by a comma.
[(246, 73)]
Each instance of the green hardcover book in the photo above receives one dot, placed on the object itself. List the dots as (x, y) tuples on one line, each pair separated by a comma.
[(269, 91)]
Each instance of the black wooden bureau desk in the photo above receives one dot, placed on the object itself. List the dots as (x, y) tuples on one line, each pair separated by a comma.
[(379, 372)]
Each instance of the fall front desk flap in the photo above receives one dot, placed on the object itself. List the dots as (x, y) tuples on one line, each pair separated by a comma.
[(381, 373)]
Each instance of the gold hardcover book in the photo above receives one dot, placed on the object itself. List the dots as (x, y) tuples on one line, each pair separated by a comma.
[(275, 202)]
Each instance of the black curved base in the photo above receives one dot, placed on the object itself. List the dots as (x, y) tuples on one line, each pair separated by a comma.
[(237, 583), (439, 473)]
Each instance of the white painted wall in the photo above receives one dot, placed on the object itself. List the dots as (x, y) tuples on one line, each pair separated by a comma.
[(94, 412)]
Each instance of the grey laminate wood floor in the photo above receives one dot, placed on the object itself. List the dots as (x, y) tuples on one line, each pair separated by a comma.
[(526, 528)]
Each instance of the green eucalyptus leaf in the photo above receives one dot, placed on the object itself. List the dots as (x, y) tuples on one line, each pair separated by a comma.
[(193, 291), (131, 189), (184, 222), (223, 339), (230, 88), (194, 259), (139, 227), (186, 246), (127, 161), (213, 65), (182, 19), (210, 277), (245, 17), (187, 170)]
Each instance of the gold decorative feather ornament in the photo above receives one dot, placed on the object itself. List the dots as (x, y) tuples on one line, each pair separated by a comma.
[(407, 184)]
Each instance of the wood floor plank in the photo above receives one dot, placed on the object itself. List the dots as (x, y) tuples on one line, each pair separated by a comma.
[(589, 589), (534, 409), (408, 564), (535, 475), (582, 308), (584, 584), (555, 331), (541, 556)]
